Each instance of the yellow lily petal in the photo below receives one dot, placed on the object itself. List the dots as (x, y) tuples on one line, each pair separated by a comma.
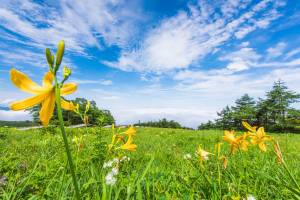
[(260, 132), (68, 88), (27, 103), (67, 105), (244, 145), (24, 83), (47, 109), (248, 127), (48, 79), (262, 146), (229, 136), (131, 131), (128, 145)]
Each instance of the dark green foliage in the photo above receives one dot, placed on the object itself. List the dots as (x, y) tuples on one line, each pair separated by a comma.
[(206, 126), (244, 109), (225, 120), (17, 123)]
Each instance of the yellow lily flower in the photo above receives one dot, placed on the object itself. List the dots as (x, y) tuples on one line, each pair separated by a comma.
[(260, 138), (236, 142), (202, 154), (230, 138), (44, 94), (129, 145), (131, 131)]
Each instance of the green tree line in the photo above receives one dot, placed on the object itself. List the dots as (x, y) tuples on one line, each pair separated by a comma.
[(274, 112), (95, 115), (162, 123)]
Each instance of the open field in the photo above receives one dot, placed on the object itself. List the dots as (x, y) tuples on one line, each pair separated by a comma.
[(34, 164)]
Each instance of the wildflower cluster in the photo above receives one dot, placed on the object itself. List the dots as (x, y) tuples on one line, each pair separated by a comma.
[(257, 137), (253, 135), (113, 167)]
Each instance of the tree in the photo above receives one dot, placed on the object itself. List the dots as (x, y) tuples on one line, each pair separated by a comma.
[(262, 113), (226, 118), (279, 100), (274, 110), (244, 109), (206, 126)]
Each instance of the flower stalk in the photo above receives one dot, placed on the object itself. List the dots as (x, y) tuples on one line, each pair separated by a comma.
[(66, 144)]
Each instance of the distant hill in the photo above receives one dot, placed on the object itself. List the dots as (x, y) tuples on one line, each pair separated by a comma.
[(17, 123)]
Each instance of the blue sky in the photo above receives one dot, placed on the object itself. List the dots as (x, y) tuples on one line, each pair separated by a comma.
[(145, 60)]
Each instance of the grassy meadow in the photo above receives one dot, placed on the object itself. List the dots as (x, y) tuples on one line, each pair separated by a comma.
[(33, 165)]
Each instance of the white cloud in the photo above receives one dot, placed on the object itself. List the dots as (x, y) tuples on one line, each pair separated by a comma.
[(5, 101), (237, 65), (245, 44), (88, 81), (278, 64), (14, 115), (276, 51), (81, 23), (106, 82), (292, 53), (110, 97), (241, 59), (85, 81), (244, 31), (180, 41)]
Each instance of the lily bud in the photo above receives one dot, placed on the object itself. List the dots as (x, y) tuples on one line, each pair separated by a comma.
[(50, 58), (87, 106), (66, 72), (59, 54)]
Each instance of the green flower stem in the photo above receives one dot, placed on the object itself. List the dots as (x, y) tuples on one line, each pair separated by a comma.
[(290, 175), (67, 148)]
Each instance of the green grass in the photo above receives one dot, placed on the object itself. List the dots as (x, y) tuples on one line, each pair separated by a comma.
[(35, 164)]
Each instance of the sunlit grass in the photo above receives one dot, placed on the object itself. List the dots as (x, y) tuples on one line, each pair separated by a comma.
[(35, 165)]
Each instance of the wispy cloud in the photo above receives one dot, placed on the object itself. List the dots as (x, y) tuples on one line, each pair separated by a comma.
[(88, 81), (292, 53), (82, 24), (180, 41), (276, 51), (241, 59)]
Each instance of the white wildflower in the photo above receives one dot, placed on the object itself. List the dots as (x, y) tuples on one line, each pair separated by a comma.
[(115, 160), (115, 171), (107, 164), (110, 179), (250, 197), (124, 158), (187, 156)]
